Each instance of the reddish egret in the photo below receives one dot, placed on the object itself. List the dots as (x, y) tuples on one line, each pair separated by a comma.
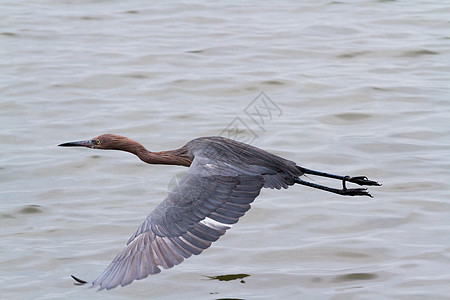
[(223, 178)]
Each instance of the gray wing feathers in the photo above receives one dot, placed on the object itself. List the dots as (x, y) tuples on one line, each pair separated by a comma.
[(174, 231)]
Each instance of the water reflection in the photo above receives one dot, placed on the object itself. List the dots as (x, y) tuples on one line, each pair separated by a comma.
[(354, 277), (228, 277)]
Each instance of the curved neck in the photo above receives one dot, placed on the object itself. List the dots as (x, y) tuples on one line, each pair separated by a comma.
[(172, 157)]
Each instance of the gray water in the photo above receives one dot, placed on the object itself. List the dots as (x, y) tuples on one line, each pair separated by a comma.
[(350, 87)]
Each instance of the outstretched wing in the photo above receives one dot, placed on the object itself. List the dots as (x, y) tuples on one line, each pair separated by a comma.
[(208, 200)]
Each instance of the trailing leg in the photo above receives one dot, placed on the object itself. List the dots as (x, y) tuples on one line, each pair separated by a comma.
[(344, 191), (360, 180)]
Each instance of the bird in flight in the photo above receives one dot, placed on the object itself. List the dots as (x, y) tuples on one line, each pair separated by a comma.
[(223, 178)]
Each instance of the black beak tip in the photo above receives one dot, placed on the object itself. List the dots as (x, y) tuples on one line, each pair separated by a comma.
[(88, 144), (71, 144)]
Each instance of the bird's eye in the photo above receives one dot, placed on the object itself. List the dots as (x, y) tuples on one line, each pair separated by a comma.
[(98, 142)]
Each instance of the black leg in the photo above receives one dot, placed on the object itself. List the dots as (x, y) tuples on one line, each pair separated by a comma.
[(360, 180), (344, 191)]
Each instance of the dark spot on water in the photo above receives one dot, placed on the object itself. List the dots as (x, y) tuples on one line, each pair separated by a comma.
[(352, 116), (316, 279), (417, 53), (11, 34), (352, 54), (30, 209), (133, 12), (194, 51), (376, 88), (90, 18), (354, 277), (273, 82), (6, 216), (228, 277), (137, 76), (179, 81)]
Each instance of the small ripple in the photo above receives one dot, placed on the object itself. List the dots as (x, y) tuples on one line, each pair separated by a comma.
[(352, 54), (346, 118), (417, 53), (31, 209), (6, 216), (10, 34), (136, 75), (389, 147), (132, 12), (355, 277), (352, 116), (91, 18), (415, 186), (195, 51), (376, 88), (348, 254), (418, 135), (273, 82)]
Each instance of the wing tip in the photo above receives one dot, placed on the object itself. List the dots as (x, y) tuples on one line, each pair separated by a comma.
[(78, 280)]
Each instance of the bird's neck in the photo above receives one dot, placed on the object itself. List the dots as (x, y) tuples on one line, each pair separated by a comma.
[(172, 157)]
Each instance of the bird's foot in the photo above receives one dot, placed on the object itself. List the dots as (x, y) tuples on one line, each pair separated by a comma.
[(355, 192), (360, 180)]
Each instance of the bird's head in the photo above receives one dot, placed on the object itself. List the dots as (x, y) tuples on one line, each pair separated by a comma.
[(104, 141)]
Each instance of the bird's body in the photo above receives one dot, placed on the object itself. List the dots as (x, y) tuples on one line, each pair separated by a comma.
[(223, 178)]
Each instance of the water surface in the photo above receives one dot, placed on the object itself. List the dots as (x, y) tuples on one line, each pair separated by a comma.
[(354, 88)]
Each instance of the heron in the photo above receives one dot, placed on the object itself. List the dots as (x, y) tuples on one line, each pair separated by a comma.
[(224, 178)]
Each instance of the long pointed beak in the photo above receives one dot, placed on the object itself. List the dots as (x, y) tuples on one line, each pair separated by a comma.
[(87, 143)]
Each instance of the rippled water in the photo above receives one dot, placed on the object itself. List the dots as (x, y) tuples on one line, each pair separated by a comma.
[(351, 87)]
